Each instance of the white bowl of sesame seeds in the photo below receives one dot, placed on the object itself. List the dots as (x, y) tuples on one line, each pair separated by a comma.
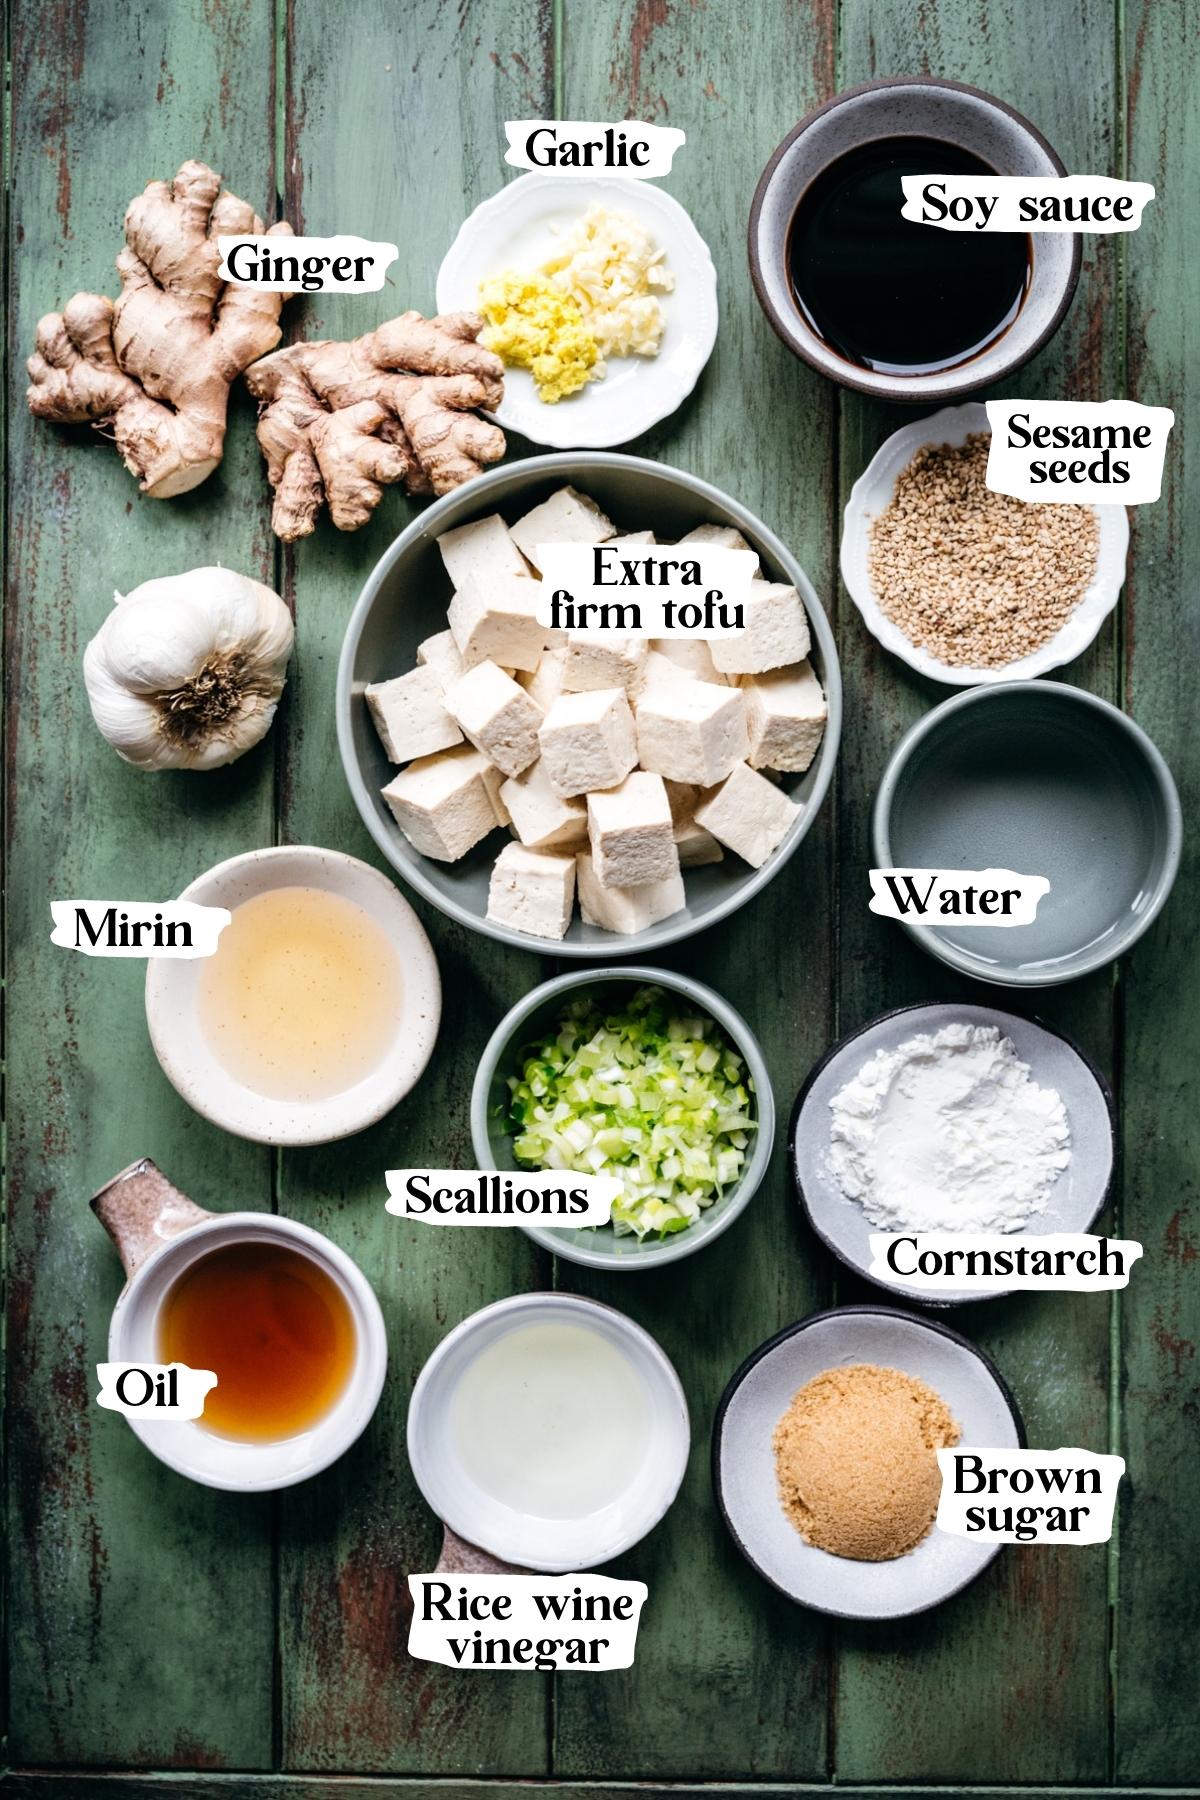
[(968, 586)]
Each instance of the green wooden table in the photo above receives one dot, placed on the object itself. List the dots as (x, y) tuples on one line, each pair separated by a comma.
[(158, 1630)]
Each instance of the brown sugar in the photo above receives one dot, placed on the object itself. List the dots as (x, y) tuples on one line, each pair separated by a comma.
[(856, 1464)]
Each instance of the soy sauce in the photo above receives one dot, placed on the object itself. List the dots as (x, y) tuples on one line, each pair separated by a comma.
[(890, 295)]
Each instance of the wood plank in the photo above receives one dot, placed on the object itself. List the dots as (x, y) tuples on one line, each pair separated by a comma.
[(428, 100), (730, 1679), (1009, 1681), (141, 1605), (1157, 1695), (33, 1785)]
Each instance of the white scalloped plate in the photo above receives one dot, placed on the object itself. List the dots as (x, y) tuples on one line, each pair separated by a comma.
[(871, 494), (521, 226)]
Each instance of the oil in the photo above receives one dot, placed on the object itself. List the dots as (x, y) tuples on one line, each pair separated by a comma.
[(274, 1328), (887, 294), (302, 998)]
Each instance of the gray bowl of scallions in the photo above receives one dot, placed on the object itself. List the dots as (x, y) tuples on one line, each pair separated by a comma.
[(634, 1072)]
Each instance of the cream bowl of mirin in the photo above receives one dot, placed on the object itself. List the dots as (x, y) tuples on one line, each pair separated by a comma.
[(549, 1453), (188, 1057)]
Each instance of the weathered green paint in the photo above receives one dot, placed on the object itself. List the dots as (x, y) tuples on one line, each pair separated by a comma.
[(141, 1605), (1157, 1697), (153, 1625)]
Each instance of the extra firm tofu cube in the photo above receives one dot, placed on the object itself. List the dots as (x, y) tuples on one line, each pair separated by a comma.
[(493, 781), (494, 620), (748, 815), (785, 716), (727, 536), (692, 732), (683, 797), (692, 655), (696, 846), (542, 819), (410, 716), (567, 517), (631, 833), (441, 804), (545, 683), (604, 659), (483, 550), (660, 671), (441, 654), (625, 909), (588, 741), (532, 891), (775, 632), (497, 716)]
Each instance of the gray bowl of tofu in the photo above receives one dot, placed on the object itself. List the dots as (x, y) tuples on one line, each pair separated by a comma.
[(595, 792)]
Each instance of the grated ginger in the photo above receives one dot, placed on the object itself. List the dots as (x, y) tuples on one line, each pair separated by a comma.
[(533, 325), (598, 296)]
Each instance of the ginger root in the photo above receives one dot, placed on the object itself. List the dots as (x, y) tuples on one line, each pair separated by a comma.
[(340, 421), (155, 367)]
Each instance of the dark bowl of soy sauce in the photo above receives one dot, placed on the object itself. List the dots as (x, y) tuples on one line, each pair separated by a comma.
[(881, 303)]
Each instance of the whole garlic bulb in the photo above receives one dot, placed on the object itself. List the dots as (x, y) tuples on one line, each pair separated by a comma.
[(187, 670)]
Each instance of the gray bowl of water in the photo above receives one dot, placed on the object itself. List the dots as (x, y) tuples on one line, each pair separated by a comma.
[(1043, 779)]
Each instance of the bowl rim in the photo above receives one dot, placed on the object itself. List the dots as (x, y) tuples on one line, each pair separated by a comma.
[(1152, 757), (919, 388), (574, 464), (421, 986), (534, 1300), (681, 1244), (781, 1337), (894, 1012), (1112, 521)]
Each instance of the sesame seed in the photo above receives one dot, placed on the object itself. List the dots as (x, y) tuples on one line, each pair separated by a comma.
[(975, 578)]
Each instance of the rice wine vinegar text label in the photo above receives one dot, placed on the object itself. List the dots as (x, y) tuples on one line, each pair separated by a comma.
[(1083, 451), (967, 896), (176, 928), (991, 1262), (154, 1390), (581, 146), (1022, 203), (1003, 1496), (525, 1621), (501, 1197)]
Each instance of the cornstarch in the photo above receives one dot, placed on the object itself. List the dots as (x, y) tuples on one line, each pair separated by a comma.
[(948, 1133)]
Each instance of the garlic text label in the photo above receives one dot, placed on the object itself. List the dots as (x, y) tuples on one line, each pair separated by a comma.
[(647, 590), (525, 1621), (569, 146), (154, 1390), (986, 1262), (177, 928), (1091, 452), (1028, 1496), (484, 1197), (1024, 203), (295, 265), (968, 896)]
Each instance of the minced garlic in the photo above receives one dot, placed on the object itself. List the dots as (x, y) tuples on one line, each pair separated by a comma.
[(597, 297)]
